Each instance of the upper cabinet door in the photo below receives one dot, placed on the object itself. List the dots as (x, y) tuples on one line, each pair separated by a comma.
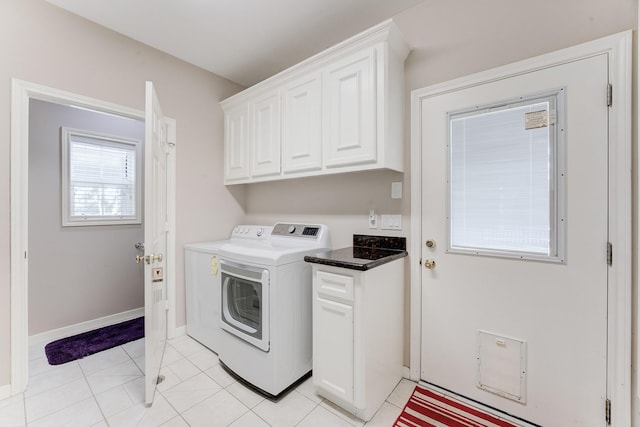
[(236, 144), (265, 138), (301, 130), (350, 110)]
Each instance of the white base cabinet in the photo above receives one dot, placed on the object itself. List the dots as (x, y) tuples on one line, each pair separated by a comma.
[(358, 319), (338, 111)]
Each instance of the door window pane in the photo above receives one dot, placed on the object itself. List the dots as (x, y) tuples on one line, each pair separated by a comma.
[(503, 180)]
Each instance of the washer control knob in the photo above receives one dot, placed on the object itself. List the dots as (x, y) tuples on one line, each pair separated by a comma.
[(292, 229), (260, 232)]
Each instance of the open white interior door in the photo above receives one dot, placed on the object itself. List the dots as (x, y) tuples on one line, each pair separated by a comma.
[(156, 152)]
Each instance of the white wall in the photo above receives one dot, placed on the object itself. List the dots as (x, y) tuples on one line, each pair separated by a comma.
[(76, 274), (43, 44)]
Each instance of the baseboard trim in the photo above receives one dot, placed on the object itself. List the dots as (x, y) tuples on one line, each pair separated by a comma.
[(180, 330), (406, 373), (5, 391), (89, 325)]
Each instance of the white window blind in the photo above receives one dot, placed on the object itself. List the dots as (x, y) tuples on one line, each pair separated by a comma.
[(102, 179), (503, 180)]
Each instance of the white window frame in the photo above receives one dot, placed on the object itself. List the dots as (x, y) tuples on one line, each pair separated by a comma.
[(67, 135), (557, 182)]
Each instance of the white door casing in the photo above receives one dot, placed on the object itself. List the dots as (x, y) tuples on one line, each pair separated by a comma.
[(428, 175), (156, 150), (22, 92)]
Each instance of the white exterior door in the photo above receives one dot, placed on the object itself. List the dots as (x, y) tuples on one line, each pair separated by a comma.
[(523, 333), (155, 237)]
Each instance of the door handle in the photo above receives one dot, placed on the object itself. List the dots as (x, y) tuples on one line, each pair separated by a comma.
[(429, 264)]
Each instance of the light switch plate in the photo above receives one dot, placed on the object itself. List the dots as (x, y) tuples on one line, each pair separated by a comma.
[(391, 222)]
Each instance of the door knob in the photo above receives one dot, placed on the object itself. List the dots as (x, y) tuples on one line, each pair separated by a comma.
[(429, 264), (155, 258)]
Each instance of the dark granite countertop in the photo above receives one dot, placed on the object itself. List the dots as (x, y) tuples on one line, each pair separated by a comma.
[(366, 253)]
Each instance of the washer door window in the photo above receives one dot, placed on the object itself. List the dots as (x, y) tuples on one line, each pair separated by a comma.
[(245, 303)]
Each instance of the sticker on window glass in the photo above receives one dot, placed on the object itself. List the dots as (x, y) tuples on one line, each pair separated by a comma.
[(536, 119)]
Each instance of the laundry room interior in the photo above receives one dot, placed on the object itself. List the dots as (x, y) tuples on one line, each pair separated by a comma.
[(291, 248)]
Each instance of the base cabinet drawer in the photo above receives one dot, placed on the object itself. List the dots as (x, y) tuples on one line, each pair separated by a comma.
[(334, 286)]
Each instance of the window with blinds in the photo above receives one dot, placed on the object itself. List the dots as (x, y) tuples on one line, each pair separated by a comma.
[(506, 180), (100, 179)]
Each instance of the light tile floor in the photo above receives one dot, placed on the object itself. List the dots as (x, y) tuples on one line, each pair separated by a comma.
[(107, 389)]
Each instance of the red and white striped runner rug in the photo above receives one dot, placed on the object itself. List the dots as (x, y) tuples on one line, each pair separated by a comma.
[(428, 408)]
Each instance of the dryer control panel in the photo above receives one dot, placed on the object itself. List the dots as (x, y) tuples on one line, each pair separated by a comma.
[(308, 231)]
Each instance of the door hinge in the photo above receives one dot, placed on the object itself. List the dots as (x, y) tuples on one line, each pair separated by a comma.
[(607, 411), (609, 253), (609, 95)]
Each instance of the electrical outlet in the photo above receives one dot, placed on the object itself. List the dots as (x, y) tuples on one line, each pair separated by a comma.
[(373, 219)]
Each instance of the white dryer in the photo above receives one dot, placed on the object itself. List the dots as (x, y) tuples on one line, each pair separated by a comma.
[(266, 304)]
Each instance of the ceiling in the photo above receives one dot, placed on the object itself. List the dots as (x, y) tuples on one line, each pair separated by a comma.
[(244, 41)]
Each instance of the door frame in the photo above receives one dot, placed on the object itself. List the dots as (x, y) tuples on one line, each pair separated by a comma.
[(21, 92), (619, 318)]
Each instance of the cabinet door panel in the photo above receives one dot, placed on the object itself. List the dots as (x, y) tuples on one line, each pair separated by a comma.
[(350, 110), (333, 348), (236, 144), (302, 118), (265, 145)]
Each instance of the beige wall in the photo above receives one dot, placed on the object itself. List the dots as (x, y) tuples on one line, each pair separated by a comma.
[(43, 44), (451, 38)]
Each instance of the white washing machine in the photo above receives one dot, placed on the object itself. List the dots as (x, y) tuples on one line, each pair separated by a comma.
[(266, 300), (202, 283)]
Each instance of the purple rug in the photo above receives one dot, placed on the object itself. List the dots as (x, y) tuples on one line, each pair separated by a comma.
[(78, 346)]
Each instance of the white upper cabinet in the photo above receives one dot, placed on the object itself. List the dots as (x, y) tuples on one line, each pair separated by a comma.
[(236, 144), (350, 110), (302, 125), (338, 111), (265, 138)]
